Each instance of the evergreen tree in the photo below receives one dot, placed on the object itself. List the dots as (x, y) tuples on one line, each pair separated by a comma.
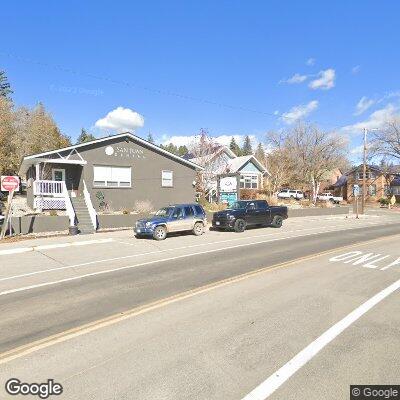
[(85, 137), (182, 150), (233, 146), (5, 89), (260, 154), (9, 159), (150, 138), (247, 148)]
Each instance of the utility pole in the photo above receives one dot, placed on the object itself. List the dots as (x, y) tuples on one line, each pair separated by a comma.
[(364, 181)]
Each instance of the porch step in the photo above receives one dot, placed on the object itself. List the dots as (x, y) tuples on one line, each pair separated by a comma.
[(82, 215)]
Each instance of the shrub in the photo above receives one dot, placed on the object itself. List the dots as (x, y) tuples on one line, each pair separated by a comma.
[(125, 211), (143, 206), (248, 194), (53, 213), (384, 201)]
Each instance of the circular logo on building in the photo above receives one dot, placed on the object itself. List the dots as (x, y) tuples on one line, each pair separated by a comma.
[(109, 150)]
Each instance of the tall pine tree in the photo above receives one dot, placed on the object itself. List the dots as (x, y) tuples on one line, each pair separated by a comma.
[(247, 148), (260, 154), (85, 137), (233, 146), (150, 138)]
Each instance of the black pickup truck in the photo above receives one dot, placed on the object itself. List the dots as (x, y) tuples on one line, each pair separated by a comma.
[(249, 212)]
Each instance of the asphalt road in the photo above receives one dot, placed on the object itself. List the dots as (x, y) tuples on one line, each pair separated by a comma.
[(95, 316)]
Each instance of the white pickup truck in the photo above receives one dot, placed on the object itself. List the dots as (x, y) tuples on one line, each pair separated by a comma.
[(328, 196)]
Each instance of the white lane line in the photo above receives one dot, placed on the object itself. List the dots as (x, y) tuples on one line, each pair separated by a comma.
[(162, 251), (278, 378), (53, 246), (10, 291), (15, 251), (24, 288)]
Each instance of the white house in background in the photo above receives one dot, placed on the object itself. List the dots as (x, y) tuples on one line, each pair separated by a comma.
[(222, 161)]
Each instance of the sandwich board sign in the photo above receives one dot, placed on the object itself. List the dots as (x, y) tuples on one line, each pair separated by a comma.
[(9, 183), (227, 187)]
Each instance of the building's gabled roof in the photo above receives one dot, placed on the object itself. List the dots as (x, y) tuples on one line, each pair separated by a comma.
[(211, 156), (235, 164), (391, 169), (120, 135)]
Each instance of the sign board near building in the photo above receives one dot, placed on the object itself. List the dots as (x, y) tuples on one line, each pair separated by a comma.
[(228, 188), (9, 183)]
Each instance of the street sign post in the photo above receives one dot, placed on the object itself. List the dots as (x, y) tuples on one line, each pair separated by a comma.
[(8, 184), (356, 194)]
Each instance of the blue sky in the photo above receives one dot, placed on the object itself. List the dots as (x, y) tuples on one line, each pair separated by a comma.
[(226, 66)]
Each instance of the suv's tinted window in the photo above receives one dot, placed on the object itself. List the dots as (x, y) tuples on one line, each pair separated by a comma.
[(188, 211), (261, 205), (177, 212), (199, 210)]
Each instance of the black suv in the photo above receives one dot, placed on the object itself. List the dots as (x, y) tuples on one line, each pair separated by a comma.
[(249, 212)]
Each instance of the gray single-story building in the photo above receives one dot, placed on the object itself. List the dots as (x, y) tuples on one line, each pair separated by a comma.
[(112, 173)]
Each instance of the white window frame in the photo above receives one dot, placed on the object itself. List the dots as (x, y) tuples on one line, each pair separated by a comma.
[(247, 181), (167, 182), (109, 182), (53, 173), (368, 175)]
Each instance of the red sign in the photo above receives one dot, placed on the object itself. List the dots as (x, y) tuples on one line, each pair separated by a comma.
[(9, 183)]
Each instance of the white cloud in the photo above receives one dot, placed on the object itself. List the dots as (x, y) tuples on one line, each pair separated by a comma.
[(296, 78), (121, 119), (377, 119), (311, 62), (298, 112), (355, 70), (325, 80), (363, 105)]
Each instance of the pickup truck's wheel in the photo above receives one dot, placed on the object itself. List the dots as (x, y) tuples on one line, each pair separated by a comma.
[(198, 229), (277, 221), (240, 225), (160, 233)]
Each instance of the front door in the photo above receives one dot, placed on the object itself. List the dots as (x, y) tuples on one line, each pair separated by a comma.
[(58, 175)]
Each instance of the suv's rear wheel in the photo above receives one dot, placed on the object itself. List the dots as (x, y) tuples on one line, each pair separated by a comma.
[(198, 229), (277, 221), (160, 233), (240, 225)]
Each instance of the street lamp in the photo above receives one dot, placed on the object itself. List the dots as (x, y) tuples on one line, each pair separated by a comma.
[(364, 183)]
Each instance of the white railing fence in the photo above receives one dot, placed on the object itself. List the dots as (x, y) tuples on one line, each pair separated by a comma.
[(43, 188), (89, 205), (68, 205)]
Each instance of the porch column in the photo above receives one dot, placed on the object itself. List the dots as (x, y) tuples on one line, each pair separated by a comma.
[(37, 171)]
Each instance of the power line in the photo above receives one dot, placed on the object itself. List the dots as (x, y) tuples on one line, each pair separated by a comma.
[(146, 88)]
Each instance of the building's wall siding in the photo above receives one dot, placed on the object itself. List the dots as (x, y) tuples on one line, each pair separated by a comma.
[(146, 165)]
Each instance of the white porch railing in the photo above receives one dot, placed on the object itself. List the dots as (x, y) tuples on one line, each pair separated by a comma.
[(48, 188), (89, 205), (53, 195)]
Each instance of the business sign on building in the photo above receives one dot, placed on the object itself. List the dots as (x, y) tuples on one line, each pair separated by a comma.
[(228, 188), (9, 183)]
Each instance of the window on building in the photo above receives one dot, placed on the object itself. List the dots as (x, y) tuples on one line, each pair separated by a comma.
[(167, 178), (110, 176), (372, 190), (368, 175), (249, 181)]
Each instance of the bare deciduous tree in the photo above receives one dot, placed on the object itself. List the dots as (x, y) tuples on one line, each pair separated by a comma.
[(386, 142), (203, 150), (310, 154)]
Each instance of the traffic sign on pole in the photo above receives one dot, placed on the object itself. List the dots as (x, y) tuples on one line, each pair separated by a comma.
[(9, 183)]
